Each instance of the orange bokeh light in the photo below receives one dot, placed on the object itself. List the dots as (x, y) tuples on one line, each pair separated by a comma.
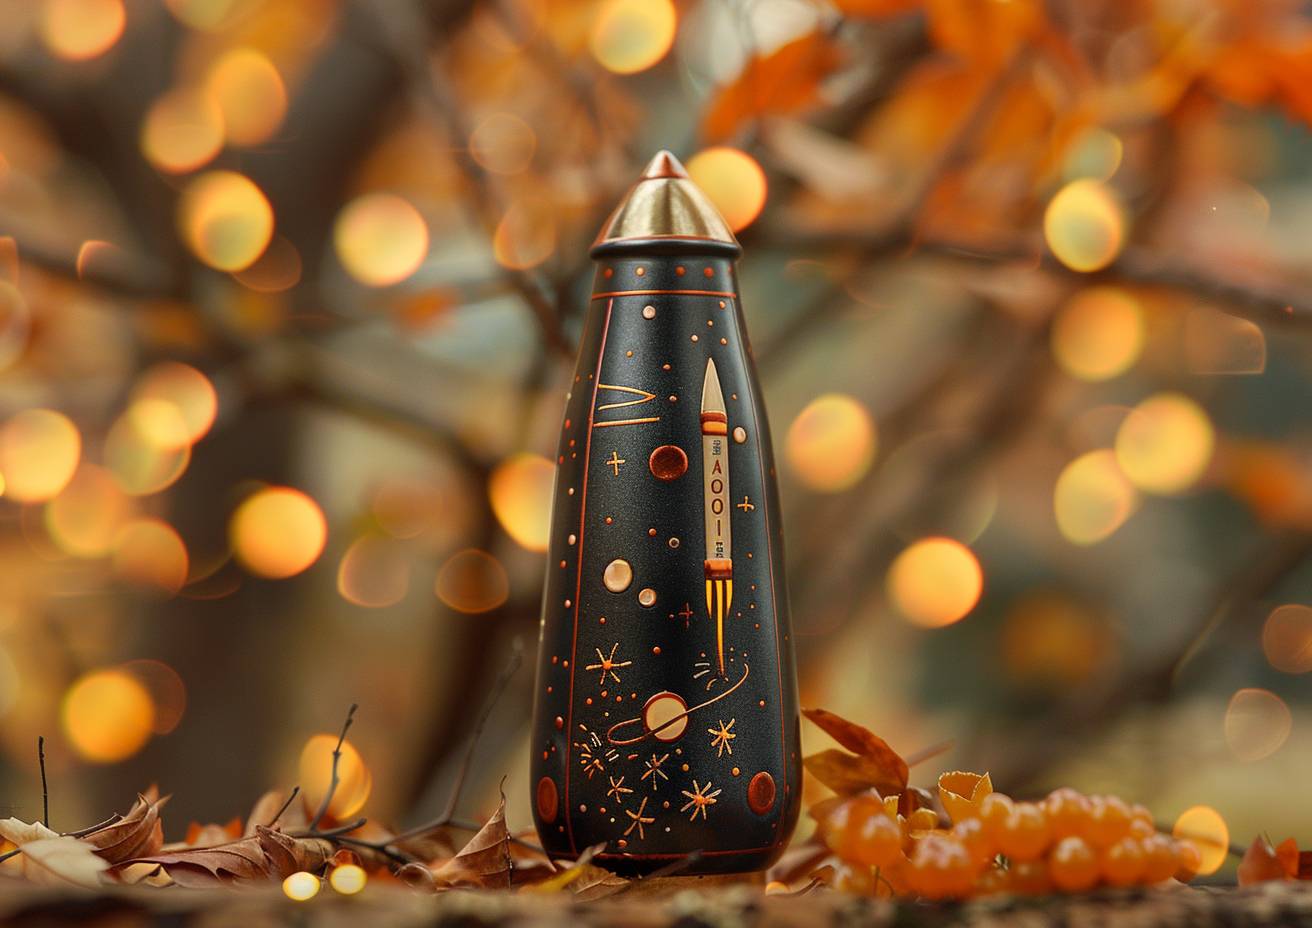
[(520, 490), (1287, 638), (1092, 498), (1165, 443), (1257, 724), (935, 582), (632, 35), (87, 515), (77, 30), (249, 93), (182, 131), (354, 779), (149, 553), (1205, 829), (225, 220), (525, 236), (142, 466), (472, 581), (1099, 333), (184, 400), (734, 182), (374, 572), (278, 532), (380, 239), (107, 716), (39, 451), (831, 443), (1085, 225)]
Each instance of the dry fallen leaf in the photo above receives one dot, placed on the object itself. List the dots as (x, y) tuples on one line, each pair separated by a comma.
[(139, 833), (209, 835), (483, 863), (874, 766), (785, 81), (267, 806), (228, 864), (287, 855), (59, 861), (962, 792), (1262, 862)]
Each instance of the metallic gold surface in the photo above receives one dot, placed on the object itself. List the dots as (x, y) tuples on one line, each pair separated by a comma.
[(664, 203)]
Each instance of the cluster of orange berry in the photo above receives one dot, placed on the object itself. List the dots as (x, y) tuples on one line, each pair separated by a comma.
[(1067, 842)]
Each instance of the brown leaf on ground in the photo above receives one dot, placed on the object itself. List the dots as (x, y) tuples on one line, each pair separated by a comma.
[(287, 855), (236, 862), (60, 861), (433, 844), (785, 81), (418, 877), (483, 863), (210, 835), (139, 833), (1262, 862), (267, 806), (848, 774)]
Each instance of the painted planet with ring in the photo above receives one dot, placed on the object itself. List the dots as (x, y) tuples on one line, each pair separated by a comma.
[(668, 710)]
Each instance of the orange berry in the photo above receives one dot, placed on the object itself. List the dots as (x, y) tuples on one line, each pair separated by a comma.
[(1030, 877), (994, 810), (1025, 835), (941, 868), (1109, 821), (1158, 858), (1068, 812), (1141, 813), (1074, 865), (877, 841), (842, 827), (1187, 861), (1141, 829), (991, 881), (970, 832), (1123, 863), (853, 879)]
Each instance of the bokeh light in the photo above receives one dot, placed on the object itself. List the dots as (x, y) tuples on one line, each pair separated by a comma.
[(503, 143), (734, 182), (632, 35), (207, 15), (140, 464), (520, 490), (1219, 343), (77, 30), (380, 238), (301, 886), (1099, 333), (472, 581), (374, 572), (525, 236), (278, 532), (354, 779), (182, 131), (1084, 225), (1093, 498), (249, 93), (39, 451), (1287, 638), (166, 689), (831, 443), (1165, 443), (173, 405), (1052, 642), (348, 879), (1205, 829), (225, 219), (1257, 724), (1095, 153), (276, 270), (935, 582), (87, 515), (15, 324), (150, 553), (107, 716)]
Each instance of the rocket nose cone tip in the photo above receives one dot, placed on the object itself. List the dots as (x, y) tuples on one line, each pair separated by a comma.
[(663, 165)]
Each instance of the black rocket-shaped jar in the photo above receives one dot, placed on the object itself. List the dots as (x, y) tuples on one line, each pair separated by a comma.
[(665, 717)]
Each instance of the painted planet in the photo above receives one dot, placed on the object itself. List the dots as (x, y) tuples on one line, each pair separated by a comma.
[(668, 462), (618, 575), (761, 793), (548, 800), (660, 710)]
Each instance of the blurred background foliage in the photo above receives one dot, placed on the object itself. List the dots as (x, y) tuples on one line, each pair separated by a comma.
[(289, 291)]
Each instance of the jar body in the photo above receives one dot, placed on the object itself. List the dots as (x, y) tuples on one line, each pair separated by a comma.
[(665, 712)]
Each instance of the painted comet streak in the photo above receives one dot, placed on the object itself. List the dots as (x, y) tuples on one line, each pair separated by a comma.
[(715, 477)]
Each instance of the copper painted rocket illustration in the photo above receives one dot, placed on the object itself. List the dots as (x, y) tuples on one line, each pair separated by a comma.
[(665, 717)]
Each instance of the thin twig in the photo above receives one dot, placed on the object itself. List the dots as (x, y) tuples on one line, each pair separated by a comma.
[(333, 781), (45, 791), (924, 754), (671, 869), (92, 829), (296, 790)]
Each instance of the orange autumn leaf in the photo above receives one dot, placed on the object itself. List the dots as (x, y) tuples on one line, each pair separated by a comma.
[(983, 32), (962, 792), (784, 81), (1262, 862), (874, 766)]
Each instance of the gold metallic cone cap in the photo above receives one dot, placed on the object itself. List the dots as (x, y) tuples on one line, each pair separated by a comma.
[(665, 204)]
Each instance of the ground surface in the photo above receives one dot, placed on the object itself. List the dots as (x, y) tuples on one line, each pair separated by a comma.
[(664, 905)]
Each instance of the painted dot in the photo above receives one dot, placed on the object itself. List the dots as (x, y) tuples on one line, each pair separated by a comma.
[(736, 771), (568, 603), (708, 272), (651, 533), (609, 520), (668, 463), (608, 273), (617, 576), (710, 323), (694, 338), (680, 270), (628, 354), (665, 367), (722, 304), (572, 539), (674, 398), (640, 271), (649, 312), (674, 542), (647, 597), (740, 434), (724, 341), (656, 649), (560, 723)]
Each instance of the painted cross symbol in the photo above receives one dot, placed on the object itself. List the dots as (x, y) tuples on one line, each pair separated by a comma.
[(686, 613), (615, 462), (746, 504)]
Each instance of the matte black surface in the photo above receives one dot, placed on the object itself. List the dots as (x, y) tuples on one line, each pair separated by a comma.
[(657, 527)]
